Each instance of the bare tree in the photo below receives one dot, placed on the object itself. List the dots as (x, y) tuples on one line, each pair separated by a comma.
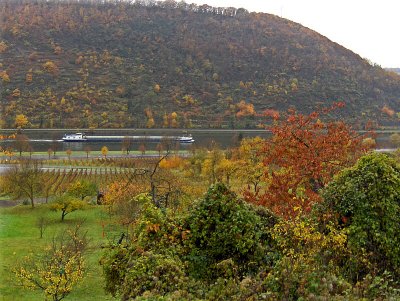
[(54, 145), (127, 143), (42, 222), (162, 185), (87, 151)]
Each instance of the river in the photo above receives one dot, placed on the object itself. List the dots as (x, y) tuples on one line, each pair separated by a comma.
[(44, 139)]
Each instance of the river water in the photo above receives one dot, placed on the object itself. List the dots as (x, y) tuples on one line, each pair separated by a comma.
[(44, 139)]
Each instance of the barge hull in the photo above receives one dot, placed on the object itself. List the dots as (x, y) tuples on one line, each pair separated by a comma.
[(133, 138)]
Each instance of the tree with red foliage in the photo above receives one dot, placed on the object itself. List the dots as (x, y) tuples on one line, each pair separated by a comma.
[(301, 157)]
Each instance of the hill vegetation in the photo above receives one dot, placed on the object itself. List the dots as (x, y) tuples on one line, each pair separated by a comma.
[(173, 64)]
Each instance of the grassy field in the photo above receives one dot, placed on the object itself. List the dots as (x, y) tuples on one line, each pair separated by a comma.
[(20, 236)]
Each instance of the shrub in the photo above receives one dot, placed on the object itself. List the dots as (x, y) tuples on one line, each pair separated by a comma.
[(223, 227), (365, 199)]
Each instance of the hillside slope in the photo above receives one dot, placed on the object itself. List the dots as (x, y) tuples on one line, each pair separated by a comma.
[(86, 64)]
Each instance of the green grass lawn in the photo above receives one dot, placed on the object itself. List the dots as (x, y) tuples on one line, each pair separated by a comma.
[(19, 236)]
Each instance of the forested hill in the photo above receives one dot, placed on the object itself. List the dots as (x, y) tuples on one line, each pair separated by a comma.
[(169, 64)]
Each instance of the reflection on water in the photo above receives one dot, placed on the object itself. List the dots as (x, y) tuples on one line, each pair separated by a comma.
[(43, 140)]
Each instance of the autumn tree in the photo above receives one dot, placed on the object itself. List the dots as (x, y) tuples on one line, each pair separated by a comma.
[(123, 199), (9, 152), (30, 150), (121, 191), (69, 153), (142, 148), (368, 143), (51, 67), (21, 143), (388, 111), (58, 269), (174, 120), (104, 151), (150, 119), (49, 152), (3, 46), (24, 180), (4, 76), (210, 164), (82, 189), (250, 168), (165, 120), (16, 93), (159, 148), (245, 109), (87, 150), (21, 121), (302, 156), (225, 169), (66, 203), (166, 188)]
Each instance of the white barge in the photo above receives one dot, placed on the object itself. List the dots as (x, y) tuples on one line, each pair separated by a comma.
[(82, 137)]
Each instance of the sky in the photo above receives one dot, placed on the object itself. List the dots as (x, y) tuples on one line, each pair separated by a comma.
[(370, 28)]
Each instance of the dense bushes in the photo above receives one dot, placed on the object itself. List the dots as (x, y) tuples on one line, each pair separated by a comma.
[(221, 238), (347, 248), (366, 201)]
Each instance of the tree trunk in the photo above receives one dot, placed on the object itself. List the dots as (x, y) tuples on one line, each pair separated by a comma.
[(63, 214)]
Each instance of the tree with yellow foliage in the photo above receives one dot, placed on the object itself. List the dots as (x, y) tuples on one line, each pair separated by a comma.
[(21, 121), (210, 164), (121, 200), (174, 120), (245, 109), (51, 67), (5, 77), (251, 170), (165, 120), (104, 151), (150, 123), (58, 269), (67, 203), (225, 169), (16, 93), (3, 46)]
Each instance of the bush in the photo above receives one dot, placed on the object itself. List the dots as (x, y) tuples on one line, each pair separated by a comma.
[(365, 200), (223, 227), (153, 273)]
